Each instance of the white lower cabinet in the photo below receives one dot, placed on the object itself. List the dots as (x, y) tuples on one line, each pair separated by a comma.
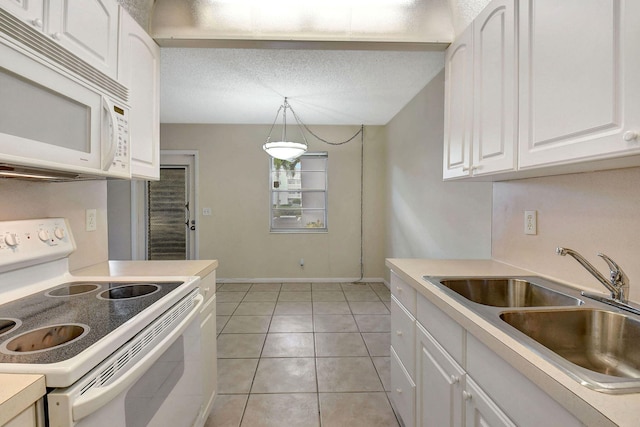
[(480, 410), (403, 391), (208, 344), (440, 383)]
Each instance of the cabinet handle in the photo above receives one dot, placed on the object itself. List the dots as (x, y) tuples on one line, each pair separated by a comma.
[(399, 333), (469, 168), (399, 289), (37, 22), (399, 390), (455, 379), (630, 136), (206, 290), (466, 396), (56, 36)]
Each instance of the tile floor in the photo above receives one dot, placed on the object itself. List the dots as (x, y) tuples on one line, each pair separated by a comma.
[(303, 354)]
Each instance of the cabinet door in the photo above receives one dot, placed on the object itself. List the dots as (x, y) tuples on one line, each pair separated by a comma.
[(458, 105), (30, 11), (480, 410), (494, 89), (139, 71), (87, 28), (209, 355), (440, 382), (579, 85)]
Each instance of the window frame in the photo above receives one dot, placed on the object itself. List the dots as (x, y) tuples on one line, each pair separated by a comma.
[(273, 191)]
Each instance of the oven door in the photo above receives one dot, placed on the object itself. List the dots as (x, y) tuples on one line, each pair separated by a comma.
[(154, 380)]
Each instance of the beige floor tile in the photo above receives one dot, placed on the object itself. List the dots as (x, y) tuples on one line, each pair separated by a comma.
[(296, 287), (373, 322), (293, 323), (379, 287), (221, 322), (287, 375), (219, 285), (334, 323), (388, 305), (356, 410), (255, 309), (247, 325), (255, 296), (326, 287), (361, 296), (229, 296), (383, 367), (289, 345), (295, 296), (340, 344), (235, 287), (355, 287), (331, 308), (270, 410), (226, 308), (384, 295), (236, 346), (342, 374), (378, 343), (328, 296), (266, 287), (236, 375), (292, 307), (227, 410), (368, 308)]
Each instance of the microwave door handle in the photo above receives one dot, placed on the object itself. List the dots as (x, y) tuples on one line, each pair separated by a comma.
[(110, 140), (96, 398)]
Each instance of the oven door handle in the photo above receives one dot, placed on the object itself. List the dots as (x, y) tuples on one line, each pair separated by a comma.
[(96, 398)]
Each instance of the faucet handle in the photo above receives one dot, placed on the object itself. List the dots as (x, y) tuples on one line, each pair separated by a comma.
[(617, 276)]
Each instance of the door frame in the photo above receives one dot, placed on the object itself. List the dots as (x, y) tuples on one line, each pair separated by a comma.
[(139, 207)]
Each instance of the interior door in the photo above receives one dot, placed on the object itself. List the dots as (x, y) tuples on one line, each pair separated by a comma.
[(171, 210)]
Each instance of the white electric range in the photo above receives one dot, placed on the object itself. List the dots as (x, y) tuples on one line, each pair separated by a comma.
[(114, 351)]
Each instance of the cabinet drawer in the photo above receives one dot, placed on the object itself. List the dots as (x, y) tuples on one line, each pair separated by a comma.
[(403, 335), (403, 391), (444, 329), (404, 293), (208, 286)]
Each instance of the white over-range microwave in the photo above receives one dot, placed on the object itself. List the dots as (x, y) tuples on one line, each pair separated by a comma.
[(57, 113)]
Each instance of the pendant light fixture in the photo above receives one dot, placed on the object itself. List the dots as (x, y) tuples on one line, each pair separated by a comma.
[(284, 149)]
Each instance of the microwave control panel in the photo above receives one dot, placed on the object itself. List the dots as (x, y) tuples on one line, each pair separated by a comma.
[(122, 156)]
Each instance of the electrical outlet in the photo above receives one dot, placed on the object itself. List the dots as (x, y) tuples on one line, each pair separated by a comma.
[(530, 222), (91, 220), (206, 211)]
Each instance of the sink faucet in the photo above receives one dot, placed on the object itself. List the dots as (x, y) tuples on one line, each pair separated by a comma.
[(617, 283)]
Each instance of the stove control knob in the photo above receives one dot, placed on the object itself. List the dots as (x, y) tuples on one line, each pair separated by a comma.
[(59, 233), (43, 235), (11, 240)]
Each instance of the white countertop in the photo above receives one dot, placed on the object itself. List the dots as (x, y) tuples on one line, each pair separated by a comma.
[(17, 393), (591, 407), (149, 268)]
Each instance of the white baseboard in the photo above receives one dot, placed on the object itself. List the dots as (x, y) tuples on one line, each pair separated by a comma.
[(303, 280)]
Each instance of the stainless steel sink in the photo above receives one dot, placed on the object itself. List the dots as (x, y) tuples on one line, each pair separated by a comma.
[(507, 292), (602, 341)]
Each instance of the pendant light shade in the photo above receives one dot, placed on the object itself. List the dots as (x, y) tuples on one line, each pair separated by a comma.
[(283, 149)]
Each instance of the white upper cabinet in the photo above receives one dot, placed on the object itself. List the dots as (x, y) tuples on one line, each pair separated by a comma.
[(139, 70), (480, 95), (579, 80), (458, 106), (494, 89), (30, 11), (87, 28)]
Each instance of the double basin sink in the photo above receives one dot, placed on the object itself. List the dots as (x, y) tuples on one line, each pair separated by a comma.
[(594, 344)]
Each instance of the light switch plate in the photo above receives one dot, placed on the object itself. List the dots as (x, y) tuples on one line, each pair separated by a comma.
[(91, 220)]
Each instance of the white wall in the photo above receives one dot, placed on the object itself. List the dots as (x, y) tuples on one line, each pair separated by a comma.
[(234, 183), (589, 212), (26, 200), (426, 217)]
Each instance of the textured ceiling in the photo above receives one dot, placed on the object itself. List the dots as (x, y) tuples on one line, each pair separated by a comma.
[(344, 85), (323, 86)]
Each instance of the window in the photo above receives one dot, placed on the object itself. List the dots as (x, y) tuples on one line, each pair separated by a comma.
[(299, 194)]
